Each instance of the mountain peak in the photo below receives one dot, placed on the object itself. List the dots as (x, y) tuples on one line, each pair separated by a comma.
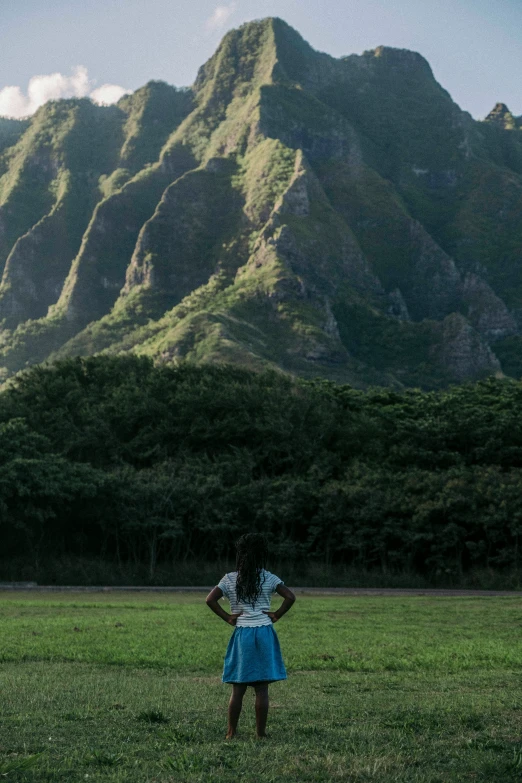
[(260, 51), (245, 54), (402, 59), (501, 115)]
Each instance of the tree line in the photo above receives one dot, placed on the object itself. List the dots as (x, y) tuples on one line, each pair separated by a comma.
[(119, 459)]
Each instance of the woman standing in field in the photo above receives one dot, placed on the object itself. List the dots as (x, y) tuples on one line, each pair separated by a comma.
[(253, 654)]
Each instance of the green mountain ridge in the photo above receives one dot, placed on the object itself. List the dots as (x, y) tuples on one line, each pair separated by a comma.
[(336, 217)]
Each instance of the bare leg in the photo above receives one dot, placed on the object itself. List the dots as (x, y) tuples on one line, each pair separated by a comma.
[(234, 708), (261, 708)]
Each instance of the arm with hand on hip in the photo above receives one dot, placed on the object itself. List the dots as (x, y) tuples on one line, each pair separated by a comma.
[(212, 601), (288, 602)]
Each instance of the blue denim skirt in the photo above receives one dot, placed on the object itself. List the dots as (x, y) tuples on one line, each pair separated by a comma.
[(253, 655)]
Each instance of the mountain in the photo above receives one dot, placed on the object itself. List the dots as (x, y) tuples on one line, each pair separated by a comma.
[(335, 217)]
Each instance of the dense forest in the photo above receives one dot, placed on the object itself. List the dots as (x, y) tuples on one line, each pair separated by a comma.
[(119, 460)]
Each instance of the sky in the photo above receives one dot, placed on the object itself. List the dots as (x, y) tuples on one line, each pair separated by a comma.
[(102, 48)]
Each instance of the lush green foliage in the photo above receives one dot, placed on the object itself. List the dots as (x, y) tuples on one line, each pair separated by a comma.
[(115, 457), (154, 112), (10, 131), (121, 688)]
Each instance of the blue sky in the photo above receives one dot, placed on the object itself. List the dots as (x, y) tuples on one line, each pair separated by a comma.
[(84, 46)]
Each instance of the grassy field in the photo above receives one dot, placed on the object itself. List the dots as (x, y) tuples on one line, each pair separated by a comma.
[(111, 687)]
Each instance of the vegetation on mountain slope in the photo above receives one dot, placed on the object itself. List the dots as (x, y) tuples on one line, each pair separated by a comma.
[(334, 217)]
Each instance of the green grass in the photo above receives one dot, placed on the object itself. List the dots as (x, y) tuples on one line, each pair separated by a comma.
[(380, 689)]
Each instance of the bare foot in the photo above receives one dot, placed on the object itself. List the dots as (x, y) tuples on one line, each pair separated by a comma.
[(230, 735)]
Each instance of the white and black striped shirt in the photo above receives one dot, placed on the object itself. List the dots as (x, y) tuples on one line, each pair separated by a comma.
[(252, 615)]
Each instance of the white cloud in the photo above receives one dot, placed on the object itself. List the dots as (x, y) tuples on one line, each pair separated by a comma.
[(107, 94), (219, 17), (47, 87)]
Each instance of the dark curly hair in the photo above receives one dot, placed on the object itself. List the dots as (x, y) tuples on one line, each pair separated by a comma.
[(251, 556)]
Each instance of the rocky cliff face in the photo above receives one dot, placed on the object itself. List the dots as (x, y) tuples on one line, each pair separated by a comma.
[(336, 217)]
